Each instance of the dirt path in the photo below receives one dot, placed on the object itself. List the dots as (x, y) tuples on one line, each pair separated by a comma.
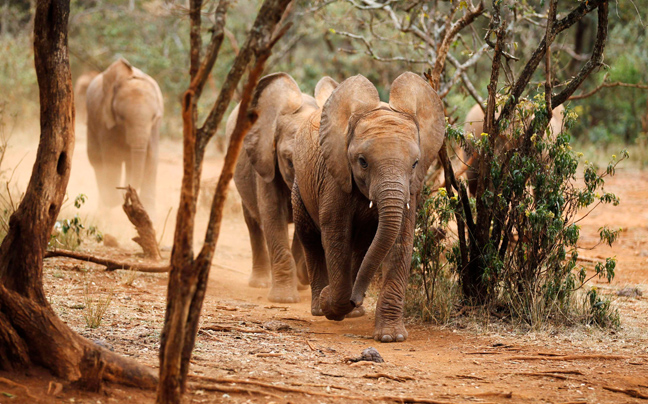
[(283, 354)]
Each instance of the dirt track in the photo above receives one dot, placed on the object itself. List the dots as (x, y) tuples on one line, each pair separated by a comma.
[(476, 360)]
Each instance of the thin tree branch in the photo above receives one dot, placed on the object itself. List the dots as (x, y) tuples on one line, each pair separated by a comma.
[(604, 84)]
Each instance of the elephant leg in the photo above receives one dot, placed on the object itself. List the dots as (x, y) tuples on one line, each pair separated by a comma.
[(356, 261), (310, 238), (389, 325), (149, 184), (274, 208), (260, 277), (108, 179), (300, 261)]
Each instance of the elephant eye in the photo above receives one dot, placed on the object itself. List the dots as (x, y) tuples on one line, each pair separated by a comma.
[(290, 164), (415, 164), (363, 162)]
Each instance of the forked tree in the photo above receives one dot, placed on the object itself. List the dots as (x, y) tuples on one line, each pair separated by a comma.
[(189, 273), (30, 331)]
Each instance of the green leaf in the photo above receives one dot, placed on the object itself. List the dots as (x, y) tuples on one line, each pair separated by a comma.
[(4, 393)]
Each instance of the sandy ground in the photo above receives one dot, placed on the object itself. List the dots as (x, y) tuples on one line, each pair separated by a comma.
[(280, 353)]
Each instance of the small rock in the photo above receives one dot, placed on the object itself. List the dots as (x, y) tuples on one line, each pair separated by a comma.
[(110, 241), (630, 292), (370, 355), (274, 325)]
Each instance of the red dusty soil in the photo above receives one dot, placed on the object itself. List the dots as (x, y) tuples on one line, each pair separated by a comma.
[(262, 352)]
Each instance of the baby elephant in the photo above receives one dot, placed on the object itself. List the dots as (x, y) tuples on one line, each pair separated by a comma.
[(264, 177), (359, 170), (475, 124), (125, 109)]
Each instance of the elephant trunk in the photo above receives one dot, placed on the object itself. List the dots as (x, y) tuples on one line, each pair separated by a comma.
[(137, 167), (391, 199)]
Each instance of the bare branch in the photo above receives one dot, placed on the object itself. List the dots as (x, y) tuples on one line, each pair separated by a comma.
[(604, 84), (595, 60), (531, 66), (460, 72), (199, 76), (373, 54), (451, 33)]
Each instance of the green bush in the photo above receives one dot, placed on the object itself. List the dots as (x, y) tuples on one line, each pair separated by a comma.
[(529, 263), (70, 233), (433, 291)]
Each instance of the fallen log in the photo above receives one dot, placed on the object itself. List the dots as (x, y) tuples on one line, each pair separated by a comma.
[(110, 264)]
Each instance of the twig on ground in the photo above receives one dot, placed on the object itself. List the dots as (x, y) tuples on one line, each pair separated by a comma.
[(400, 379), (566, 357), (226, 389), (333, 386), (227, 328), (287, 389), (11, 383), (630, 392)]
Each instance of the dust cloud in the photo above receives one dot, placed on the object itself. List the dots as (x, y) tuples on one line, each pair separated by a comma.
[(21, 155)]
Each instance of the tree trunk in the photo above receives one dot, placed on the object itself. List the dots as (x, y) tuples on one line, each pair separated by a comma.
[(189, 274), (30, 331)]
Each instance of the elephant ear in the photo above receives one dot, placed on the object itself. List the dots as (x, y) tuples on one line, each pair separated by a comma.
[(117, 71), (352, 98), (276, 94), (323, 90), (412, 95)]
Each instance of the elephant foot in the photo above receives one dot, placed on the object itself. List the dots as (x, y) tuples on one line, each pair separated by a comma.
[(284, 294), (390, 332), (259, 280), (316, 310), (336, 313), (357, 312)]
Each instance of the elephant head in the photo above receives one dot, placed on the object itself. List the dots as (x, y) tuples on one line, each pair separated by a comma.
[(132, 101), (384, 150), (270, 141)]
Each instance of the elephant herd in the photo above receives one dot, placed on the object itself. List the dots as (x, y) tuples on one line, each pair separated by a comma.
[(344, 166)]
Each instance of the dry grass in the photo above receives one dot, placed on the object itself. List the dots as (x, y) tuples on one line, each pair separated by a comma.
[(95, 304)]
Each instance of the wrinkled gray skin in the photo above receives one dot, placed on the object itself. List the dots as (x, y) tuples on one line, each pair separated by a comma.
[(125, 109), (264, 177), (475, 124), (358, 165)]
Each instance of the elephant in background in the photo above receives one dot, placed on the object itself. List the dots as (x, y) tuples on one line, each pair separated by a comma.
[(475, 124), (125, 109), (80, 89), (359, 171), (264, 177)]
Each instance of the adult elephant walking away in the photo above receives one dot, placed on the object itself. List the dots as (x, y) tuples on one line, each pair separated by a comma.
[(264, 177), (359, 170), (125, 109), (80, 88)]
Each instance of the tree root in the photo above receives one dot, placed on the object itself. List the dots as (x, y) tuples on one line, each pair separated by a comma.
[(68, 355), (110, 264)]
